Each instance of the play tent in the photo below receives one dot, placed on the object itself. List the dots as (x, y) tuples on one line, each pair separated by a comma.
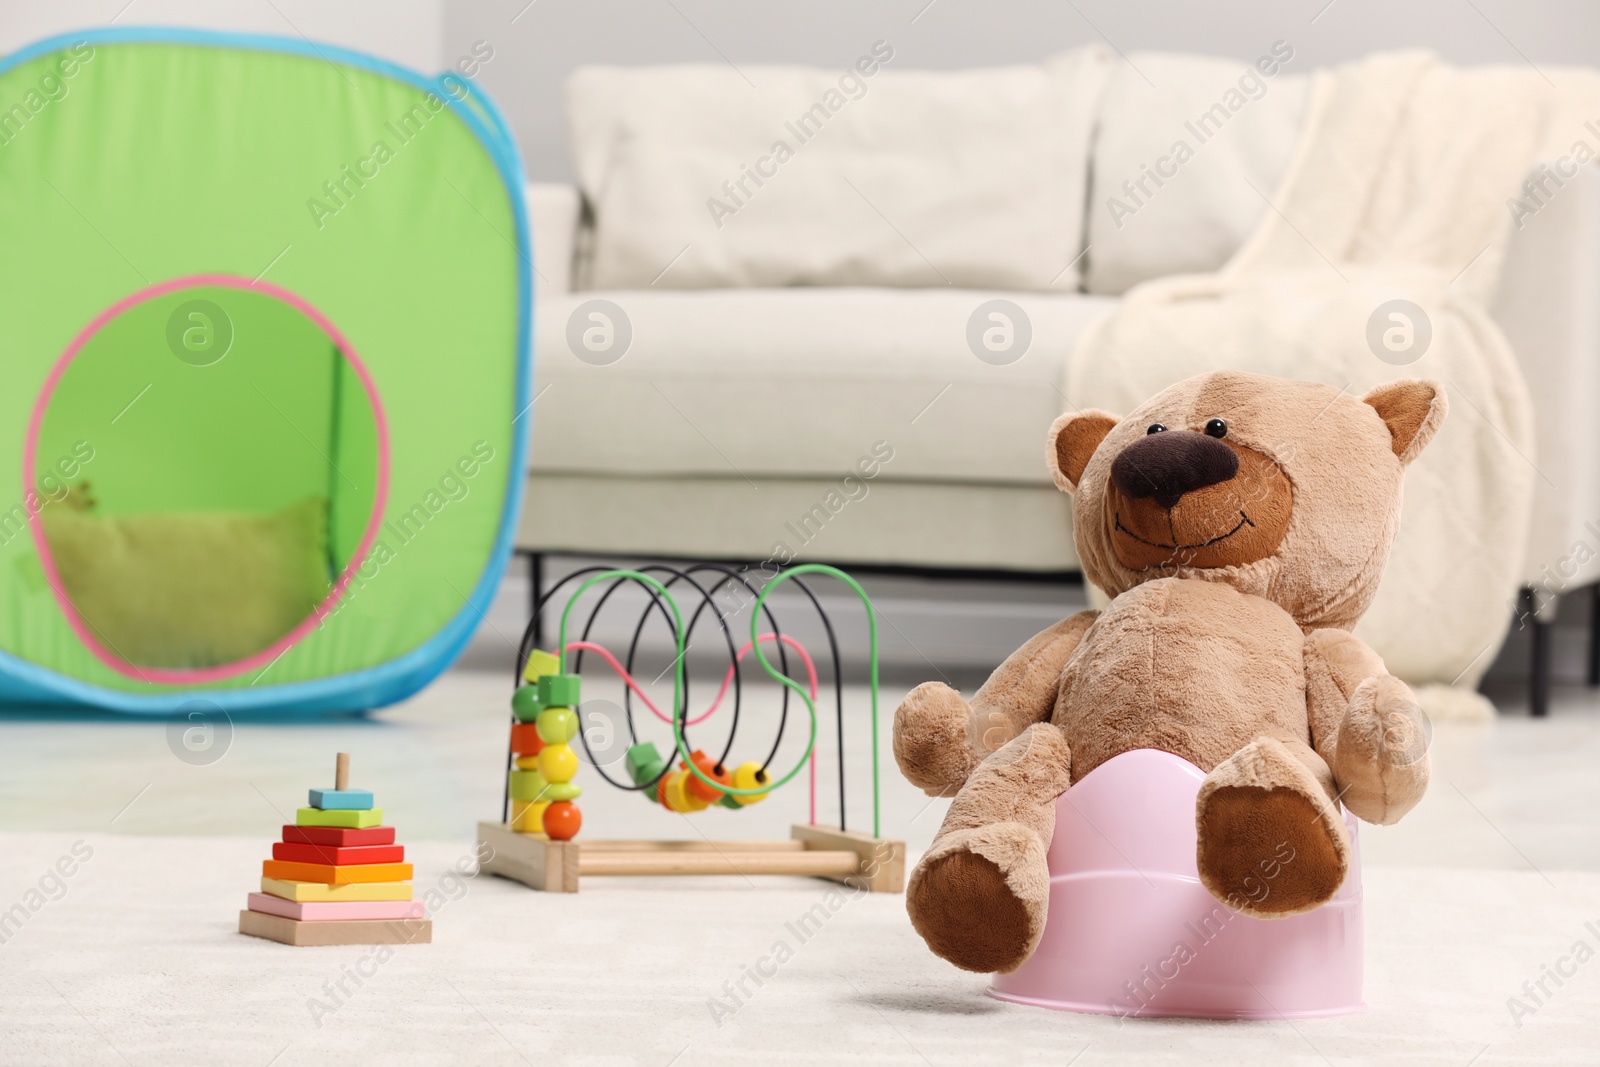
[(266, 363)]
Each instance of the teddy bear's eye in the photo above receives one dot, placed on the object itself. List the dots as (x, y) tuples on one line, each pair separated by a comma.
[(1216, 428), (1154, 427)]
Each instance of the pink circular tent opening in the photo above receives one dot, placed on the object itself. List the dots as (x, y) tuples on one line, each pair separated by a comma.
[(210, 463)]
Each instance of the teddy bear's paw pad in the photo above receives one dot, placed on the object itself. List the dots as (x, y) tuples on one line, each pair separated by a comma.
[(1270, 852), (963, 908)]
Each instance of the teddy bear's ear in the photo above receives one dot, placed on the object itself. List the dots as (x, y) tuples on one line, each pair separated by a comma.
[(1413, 409), (1073, 439)]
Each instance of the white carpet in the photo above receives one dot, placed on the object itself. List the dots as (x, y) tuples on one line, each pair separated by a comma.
[(138, 962)]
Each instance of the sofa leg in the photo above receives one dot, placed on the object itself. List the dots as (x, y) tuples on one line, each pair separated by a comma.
[(1594, 634), (1539, 655)]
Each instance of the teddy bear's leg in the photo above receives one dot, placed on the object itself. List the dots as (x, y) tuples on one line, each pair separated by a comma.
[(1380, 759), (939, 738), (1271, 842), (979, 895)]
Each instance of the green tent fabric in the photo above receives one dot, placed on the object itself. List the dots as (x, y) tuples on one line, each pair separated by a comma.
[(242, 274)]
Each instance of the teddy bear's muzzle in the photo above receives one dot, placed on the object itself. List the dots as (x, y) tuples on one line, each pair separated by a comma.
[(1166, 465), (1181, 498)]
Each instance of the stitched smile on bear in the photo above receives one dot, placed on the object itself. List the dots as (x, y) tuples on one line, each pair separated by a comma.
[(1194, 498)]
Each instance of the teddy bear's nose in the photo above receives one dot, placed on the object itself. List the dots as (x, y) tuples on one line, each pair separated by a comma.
[(1168, 464)]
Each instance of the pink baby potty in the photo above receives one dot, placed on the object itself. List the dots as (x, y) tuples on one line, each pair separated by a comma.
[(1131, 931)]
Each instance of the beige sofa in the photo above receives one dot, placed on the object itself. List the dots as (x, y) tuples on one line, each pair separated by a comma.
[(744, 362)]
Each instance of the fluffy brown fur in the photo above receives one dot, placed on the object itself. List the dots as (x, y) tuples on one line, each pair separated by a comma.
[(1237, 562)]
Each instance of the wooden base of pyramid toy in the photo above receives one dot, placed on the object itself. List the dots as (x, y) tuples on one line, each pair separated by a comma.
[(337, 878), (336, 931), (875, 864)]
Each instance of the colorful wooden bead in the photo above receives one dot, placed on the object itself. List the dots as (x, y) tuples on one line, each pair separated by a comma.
[(638, 758), (558, 763), (562, 791), (557, 725), (528, 817), (527, 763), (749, 775), (540, 663), (672, 791), (559, 689), (562, 820), (644, 764), (525, 703), (678, 796), (525, 739), (708, 767), (528, 785)]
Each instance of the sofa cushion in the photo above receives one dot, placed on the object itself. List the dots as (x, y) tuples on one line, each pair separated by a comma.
[(706, 176), (801, 382), (1204, 207)]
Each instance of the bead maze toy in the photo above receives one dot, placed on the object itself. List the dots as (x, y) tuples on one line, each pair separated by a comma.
[(337, 877), (536, 842)]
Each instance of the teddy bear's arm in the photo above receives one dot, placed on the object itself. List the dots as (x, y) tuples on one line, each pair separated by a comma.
[(939, 738), (1336, 663), (1023, 689), (1367, 725)]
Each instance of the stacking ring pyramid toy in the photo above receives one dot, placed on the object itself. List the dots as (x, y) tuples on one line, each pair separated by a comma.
[(337, 877)]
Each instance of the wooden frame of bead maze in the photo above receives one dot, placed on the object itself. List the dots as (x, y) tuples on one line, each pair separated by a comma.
[(535, 842)]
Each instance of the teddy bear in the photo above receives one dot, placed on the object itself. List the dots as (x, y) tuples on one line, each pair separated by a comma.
[(1240, 524)]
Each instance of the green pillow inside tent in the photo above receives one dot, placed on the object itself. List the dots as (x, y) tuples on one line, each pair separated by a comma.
[(267, 309)]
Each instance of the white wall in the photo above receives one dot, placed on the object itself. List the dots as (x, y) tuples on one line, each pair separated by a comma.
[(536, 45), (405, 31)]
